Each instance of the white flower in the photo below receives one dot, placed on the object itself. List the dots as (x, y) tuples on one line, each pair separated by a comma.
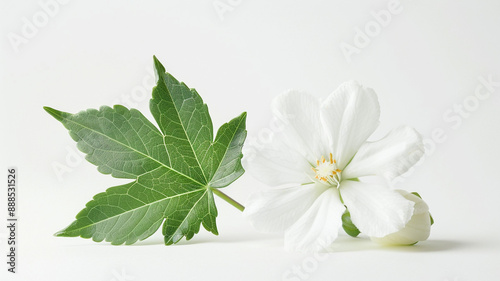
[(417, 229), (323, 150)]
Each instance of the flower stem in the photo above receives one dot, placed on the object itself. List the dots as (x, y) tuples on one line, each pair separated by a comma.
[(228, 199)]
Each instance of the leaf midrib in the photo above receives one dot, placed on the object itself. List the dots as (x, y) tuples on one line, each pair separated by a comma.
[(135, 209), (177, 111), (185, 218), (226, 150), (137, 151)]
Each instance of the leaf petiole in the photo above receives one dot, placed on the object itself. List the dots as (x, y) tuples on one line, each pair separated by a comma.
[(228, 199)]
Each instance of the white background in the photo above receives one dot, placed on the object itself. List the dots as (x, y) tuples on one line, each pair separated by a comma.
[(425, 62)]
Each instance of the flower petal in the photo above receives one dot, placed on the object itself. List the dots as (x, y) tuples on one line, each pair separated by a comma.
[(417, 229), (275, 163), (349, 115), (391, 156), (376, 210), (319, 226), (276, 210), (302, 128)]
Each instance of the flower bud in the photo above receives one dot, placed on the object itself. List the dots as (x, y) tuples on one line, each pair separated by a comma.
[(417, 229)]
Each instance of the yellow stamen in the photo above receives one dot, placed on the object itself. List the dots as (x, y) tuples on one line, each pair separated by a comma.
[(326, 170)]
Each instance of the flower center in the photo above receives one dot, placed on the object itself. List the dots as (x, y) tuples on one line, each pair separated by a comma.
[(326, 171)]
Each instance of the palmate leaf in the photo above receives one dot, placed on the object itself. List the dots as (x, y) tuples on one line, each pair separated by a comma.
[(175, 168)]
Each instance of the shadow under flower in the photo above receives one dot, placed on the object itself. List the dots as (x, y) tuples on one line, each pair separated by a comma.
[(348, 244)]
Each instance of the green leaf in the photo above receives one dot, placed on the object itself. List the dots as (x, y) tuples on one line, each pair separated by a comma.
[(348, 225), (174, 167)]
